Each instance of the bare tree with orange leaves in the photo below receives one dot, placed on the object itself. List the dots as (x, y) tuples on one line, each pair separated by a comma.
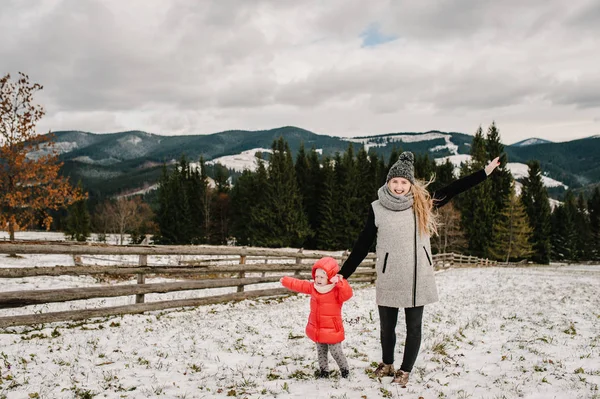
[(30, 183)]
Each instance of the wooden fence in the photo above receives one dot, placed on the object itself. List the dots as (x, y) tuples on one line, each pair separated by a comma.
[(225, 267)]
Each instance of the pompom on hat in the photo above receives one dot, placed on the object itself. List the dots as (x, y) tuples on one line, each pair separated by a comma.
[(404, 167)]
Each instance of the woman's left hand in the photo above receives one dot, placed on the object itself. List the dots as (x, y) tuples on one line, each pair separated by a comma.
[(494, 163)]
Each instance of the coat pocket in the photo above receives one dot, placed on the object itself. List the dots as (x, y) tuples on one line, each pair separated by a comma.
[(337, 324), (385, 262), (427, 254)]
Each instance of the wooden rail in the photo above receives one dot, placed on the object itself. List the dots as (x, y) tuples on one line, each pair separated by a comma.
[(228, 268)]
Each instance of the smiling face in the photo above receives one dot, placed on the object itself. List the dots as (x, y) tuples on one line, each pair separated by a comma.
[(399, 186), (320, 277)]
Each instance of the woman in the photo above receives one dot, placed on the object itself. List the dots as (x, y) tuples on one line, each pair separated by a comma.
[(402, 220)]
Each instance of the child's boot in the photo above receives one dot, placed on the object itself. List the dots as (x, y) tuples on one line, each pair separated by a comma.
[(344, 373), (322, 373)]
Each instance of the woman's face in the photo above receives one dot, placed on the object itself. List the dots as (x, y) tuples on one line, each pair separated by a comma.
[(399, 186)]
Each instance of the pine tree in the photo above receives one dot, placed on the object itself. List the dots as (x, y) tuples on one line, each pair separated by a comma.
[(350, 199), (242, 199), (594, 210), (564, 229), (286, 224), (307, 188), (375, 172), (219, 198), (512, 232), (197, 187), (395, 154), (314, 193), (382, 171), (501, 179), (424, 167), (583, 238), (366, 185), (537, 206), (326, 236), (78, 224), (174, 217), (476, 205), (221, 178), (444, 175), (478, 150), (259, 210)]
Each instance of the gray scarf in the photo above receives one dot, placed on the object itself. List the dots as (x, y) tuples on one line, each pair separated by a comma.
[(394, 202)]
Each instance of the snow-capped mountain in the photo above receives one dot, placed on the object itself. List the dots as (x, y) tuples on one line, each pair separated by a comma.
[(531, 141), (129, 161)]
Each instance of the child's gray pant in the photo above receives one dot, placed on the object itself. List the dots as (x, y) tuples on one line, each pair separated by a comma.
[(336, 352)]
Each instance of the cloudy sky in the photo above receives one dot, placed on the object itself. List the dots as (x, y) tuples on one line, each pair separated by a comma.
[(338, 67)]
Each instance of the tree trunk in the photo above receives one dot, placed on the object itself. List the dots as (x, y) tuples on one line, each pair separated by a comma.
[(11, 230), (11, 235)]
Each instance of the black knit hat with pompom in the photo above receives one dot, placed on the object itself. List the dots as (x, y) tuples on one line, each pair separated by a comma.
[(403, 167)]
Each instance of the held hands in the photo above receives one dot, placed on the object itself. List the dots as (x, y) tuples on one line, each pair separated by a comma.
[(338, 278), (494, 163)]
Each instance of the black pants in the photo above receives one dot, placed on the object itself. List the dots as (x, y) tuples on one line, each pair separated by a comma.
[(388, 318)]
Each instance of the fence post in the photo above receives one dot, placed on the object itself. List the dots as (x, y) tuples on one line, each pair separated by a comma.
[(298, 261), (141, 277), (344, 256), (240, 288), (77, 260), (374, 274)]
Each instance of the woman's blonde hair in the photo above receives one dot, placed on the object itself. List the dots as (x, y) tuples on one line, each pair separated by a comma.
[(423, 205)]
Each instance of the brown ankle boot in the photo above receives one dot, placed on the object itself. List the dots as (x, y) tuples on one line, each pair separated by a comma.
[(384, 370), (401, 378)]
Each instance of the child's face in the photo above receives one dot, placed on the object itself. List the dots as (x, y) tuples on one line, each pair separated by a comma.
[(399, 186), (320, 277)]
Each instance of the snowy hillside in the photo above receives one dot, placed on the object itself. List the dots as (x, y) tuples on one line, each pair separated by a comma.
[(58, 148), (531, 141), (530, 333), (379, 141), (518, 170), (239, 162)]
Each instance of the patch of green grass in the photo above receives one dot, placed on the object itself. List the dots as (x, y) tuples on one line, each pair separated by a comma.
[(571, 330), (439, 348), (300, 375), (273, 376)]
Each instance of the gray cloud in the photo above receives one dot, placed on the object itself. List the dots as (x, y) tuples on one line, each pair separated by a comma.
[(189, 66)]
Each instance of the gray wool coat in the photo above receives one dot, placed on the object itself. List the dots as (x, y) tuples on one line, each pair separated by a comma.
[(405, 276)]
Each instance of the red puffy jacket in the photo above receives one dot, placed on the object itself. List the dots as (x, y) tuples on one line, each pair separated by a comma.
[(325, 320)]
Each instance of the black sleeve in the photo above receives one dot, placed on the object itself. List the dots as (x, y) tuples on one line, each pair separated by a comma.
[(442, 196), (361, 246)]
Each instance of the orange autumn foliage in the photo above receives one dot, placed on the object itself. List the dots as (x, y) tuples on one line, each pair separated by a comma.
[(30, 183)]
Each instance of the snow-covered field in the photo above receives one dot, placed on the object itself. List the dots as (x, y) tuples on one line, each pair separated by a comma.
[(496, 333)]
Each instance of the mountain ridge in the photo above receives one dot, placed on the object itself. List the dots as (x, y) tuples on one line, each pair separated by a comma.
[(131, 158)]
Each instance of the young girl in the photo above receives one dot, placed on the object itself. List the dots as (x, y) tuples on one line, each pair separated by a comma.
[(328, 292), (402, 221)]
